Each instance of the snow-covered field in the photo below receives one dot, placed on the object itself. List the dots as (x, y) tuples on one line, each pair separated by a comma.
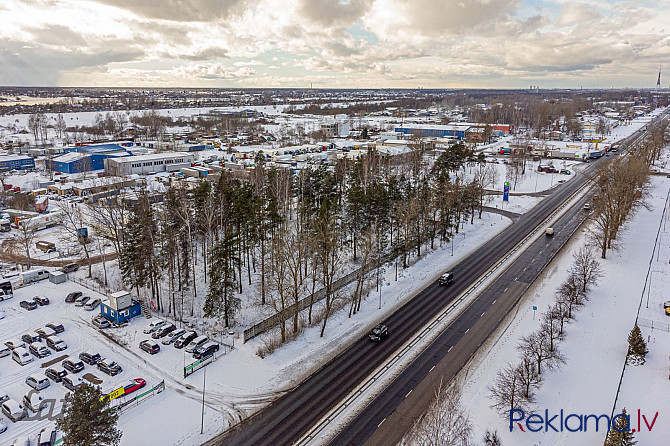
[(595, 344)]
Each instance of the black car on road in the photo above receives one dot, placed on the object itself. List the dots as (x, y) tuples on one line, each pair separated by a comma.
[(446, 279), (379, 332)]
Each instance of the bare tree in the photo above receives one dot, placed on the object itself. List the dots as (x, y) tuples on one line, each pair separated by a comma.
[(74, 224), (25, 237), (586, 267), (529, 379), (507, 391), (537, 345), (445, 423), (570, 294)]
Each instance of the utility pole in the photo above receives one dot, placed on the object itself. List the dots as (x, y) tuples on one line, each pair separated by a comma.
[(202, 416)]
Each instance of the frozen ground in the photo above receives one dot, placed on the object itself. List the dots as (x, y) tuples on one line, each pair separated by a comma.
[(595, 345)]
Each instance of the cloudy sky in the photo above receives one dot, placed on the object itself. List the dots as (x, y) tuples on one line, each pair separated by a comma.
[(335, 43)]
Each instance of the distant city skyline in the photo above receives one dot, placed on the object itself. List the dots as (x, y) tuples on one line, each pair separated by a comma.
[(335, 43)]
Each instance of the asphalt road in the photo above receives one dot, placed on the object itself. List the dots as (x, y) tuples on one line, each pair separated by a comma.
[(289, 417)]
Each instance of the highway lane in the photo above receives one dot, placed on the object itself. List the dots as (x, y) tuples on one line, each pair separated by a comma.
[(404, 400), (289, 417)]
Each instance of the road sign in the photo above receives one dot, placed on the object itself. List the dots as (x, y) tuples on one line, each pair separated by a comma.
[(534, 308), (506, 191)]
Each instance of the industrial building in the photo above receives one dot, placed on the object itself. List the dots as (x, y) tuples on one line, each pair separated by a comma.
[(87, 158), (16, 162), (457, 130), (144, 164)]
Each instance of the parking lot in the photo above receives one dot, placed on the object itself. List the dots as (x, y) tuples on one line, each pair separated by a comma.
[(80, 335)]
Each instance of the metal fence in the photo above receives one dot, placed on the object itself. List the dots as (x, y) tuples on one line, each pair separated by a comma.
[(200, 363), (654, 325), (158, 388), (274, 320), (91, 285)]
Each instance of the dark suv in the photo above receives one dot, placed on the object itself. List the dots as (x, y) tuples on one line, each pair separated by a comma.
[(184, 339), (109, 367), (89, 358), (167, 328), (73, 296), (72, 366), (41, 300), (28, 304), (379, 332), (446, 279), (55, 375)]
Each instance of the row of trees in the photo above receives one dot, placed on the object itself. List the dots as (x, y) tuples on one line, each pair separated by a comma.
[(515, 385), (621, 185)]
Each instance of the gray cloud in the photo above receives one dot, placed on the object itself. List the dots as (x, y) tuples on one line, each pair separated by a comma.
[(38, 65), (182, 10), (331, 13), (57, 35)]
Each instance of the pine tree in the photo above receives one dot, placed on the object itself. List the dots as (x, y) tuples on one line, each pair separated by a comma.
[(221, 300), (88, 420), (636, 343), (620, 434)]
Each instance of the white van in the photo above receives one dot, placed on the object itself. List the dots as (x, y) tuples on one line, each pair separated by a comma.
[(153, 326), (13, 410), (33, 275), (21, 356), (197, 342), (38, 381)]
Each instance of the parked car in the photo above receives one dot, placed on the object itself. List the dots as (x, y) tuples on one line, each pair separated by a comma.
[(38, 381), (81, 301), (13, 344), (73, 296), (56, 375), (150, 347), (13, 410), (197, 342), (58, 328), (173, 336), (163, 330), (90, 358), (109, 367), (29, 338), (185, 339), (45, 332), (379, 332), (134, 384), (72, 382), (3, 427), (41, 301), (100, 322), (565, 172), (153, 326), (47, 436), (92, 304), (72, 366), (446, 279), (3, 396), (206, 350), (28, 304), (33, 401), (38, 349), (56, 343), (70, 268), (5, 351)]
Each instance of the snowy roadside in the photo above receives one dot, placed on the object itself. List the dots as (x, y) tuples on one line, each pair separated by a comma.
[(595, 343)]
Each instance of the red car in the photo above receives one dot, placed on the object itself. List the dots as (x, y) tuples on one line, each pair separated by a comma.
[(134, 384)]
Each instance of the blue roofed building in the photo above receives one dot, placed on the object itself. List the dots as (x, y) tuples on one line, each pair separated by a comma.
[(87, 158)]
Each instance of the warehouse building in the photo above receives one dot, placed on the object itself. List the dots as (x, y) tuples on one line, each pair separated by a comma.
[(16, 162), (87, 158), (145, 164)]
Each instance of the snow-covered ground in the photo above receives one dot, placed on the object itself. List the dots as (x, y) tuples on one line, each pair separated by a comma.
[(595, 344)]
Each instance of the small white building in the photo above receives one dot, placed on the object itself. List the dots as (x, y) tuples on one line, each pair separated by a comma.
[(144, 164)]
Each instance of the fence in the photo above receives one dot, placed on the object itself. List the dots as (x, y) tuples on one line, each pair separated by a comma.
[(654, 325), (91, 285), (200, 363), (276, 319), (158, 388)]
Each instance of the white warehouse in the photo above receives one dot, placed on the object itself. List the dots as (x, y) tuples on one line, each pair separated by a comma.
[(144, 164)]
